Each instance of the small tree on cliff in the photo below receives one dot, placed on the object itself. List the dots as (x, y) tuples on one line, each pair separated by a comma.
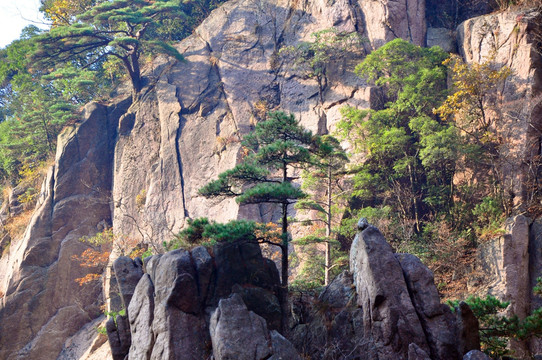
[(110, 29), (276, 146), (321, 180)]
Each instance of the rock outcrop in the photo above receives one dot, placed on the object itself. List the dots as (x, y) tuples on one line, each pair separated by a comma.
[(139, 169), (389, 317), (170, 311), (150, 160), (237, 333), (513, 39), (42, 304), (192, 120), (387, 308)]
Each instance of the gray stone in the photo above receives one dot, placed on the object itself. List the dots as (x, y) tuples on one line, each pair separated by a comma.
[(282, 348), (118, 334), (237, 333), (441, 37), (415, 353), (389, 316), (476, 355), (127, 273), (38, 277), (436, 319), (468, 329), (141, 316)]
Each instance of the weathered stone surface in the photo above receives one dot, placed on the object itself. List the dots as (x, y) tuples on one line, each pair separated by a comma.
[(436, 319), (504, 263), (476, 355), (85, 343), (265, 303), (389, 317), (171, 306), (118, 334), (282, 348), (237, 333), (389, 19), (468, 329), (141, 315), (192, 123), (127, 273), (339, 292), (509, 39), (185, 130), (441, 37), (38, 276), (415, 353)]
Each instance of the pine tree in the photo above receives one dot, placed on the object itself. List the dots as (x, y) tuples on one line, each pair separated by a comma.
[(110, 29), (328, 168), (277, 146)]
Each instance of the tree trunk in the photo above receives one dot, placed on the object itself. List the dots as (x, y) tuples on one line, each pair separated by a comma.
[(284, 268), (327, 265)]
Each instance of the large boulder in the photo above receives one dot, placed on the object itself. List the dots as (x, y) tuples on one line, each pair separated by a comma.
[(237, 333), (171, 305), (389, 317), (436, 319)]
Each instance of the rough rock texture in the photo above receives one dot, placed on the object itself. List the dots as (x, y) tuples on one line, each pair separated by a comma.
[(182, 133), (170, 309), (387, 308), (476, 355), (237, 333), (389, 317), (85, 344), (43, 305), (332, 326), (442, 37), (390, 19), (504, 266), (512, 38), (127, 275), (468, 329), (415, 353), (436, 319)]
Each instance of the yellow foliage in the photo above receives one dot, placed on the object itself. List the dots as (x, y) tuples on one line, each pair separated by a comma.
[(97, 256), (63, 12), (141, 199), (475, 89)]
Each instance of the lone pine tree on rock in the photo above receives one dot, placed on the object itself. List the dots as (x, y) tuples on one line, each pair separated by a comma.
[(277, 146)]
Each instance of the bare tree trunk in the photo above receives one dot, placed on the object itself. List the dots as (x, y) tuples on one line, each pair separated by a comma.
[(327, 265)]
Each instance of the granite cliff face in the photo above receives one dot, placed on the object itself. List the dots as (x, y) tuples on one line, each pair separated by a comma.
[(138, 166), (42, 304), (192, 119)]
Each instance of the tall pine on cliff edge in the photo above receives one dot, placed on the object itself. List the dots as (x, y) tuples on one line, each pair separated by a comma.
[(276, 147), (110, 29)]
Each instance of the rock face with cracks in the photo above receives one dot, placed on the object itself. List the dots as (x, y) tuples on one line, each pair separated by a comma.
[(170, 311), (139, 169), (42, 304)]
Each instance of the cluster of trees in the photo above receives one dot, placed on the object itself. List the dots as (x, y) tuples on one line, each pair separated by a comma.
[(46, 76), (430, 176)]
